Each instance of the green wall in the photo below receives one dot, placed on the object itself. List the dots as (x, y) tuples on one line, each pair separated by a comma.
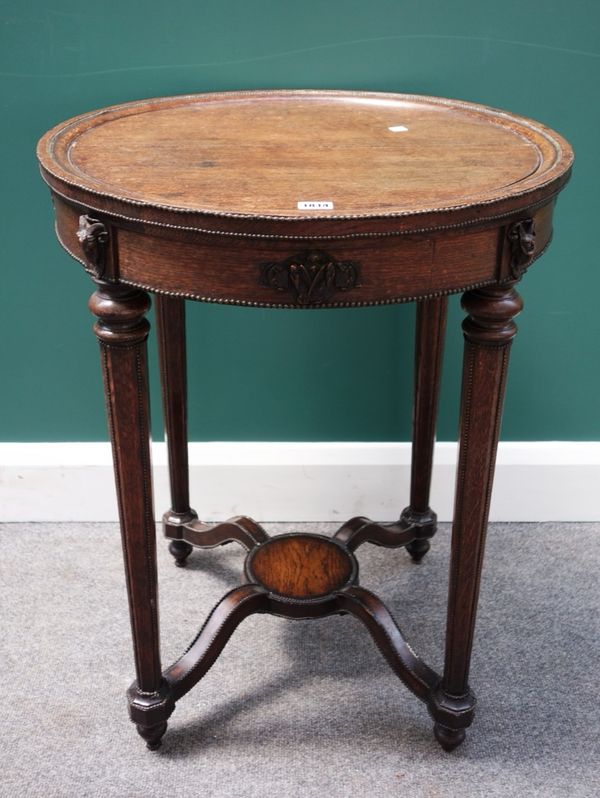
[(290, 375)]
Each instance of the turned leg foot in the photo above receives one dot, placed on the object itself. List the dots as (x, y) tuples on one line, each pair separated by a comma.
[(418, 549), (425, 526), (448, 738), (181, 551), (150, 712), (152, 735)]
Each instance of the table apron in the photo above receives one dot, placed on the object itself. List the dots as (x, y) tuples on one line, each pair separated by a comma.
[(303, 273)]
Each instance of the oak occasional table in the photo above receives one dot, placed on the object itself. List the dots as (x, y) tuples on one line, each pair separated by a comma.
[(303, 199)]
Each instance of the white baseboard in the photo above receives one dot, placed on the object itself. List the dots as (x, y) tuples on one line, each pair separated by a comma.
[(535, 481)]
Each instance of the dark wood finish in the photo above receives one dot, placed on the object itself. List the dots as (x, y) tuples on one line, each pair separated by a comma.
[(304, 199), (122, 331), (521, 236), (93, 237), (301, 591), (488, 331), (170, 324), (416, 675), (227, 269), (417, 523), (180, 550), (240, 530), (416, 227), (312, 277), (213, 636), (429, 348), (359, 530)]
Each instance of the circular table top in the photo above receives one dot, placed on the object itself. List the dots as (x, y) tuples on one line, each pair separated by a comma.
[(294, 156)]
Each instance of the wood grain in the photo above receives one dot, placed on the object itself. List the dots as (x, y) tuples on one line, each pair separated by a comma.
[(260, 153), (122, 330), (300, 566), (226, 269), (488, 331), (197, 197), (240, 162)]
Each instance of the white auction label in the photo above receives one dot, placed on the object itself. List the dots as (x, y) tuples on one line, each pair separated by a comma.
[(315, 205)]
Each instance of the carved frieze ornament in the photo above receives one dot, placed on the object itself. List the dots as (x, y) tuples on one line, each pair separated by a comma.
[(93, 237), (521, 236), (312, 277)]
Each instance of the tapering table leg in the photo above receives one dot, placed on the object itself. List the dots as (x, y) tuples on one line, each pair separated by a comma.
[(488, 330), (170, 322), (122, 331), (429, 348)]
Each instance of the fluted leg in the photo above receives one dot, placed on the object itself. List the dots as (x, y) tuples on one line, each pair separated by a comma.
[(170, 320), (488, 331), (429, 347), (122, 331)]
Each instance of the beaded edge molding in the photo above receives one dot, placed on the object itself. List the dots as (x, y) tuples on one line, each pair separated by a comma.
[(482, 220)]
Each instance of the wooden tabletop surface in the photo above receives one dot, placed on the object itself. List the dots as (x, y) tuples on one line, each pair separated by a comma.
[(303, 154)]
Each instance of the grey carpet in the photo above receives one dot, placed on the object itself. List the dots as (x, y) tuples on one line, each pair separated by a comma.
[(299, 708)]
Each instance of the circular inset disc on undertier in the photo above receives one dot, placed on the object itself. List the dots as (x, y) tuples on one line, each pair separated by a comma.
[(301, 566)]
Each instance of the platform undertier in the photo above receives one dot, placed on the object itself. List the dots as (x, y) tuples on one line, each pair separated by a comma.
[(301, 566), (300, 576)]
